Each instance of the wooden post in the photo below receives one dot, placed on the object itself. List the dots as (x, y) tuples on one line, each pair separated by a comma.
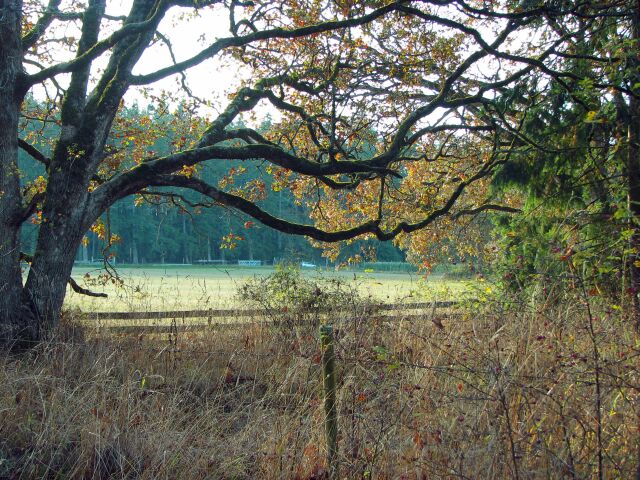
[(329, 385)]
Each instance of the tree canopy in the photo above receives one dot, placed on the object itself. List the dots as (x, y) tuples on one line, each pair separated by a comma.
[(393, 117)]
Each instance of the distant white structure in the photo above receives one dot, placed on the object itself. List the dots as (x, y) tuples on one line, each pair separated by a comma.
[(307, 265), (250, 263)]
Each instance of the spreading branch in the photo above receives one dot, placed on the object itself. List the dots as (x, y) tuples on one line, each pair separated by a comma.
[(83, 291), (99, 48), (33, 35), (371, 227), (256, 36)]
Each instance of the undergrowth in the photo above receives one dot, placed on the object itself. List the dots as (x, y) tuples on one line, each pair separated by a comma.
[(521, 389)]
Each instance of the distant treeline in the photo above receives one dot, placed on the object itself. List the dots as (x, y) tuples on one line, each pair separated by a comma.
[(164, 234), (155, 230)]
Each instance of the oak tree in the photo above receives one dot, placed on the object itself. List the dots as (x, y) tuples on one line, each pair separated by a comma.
[(393, 118)]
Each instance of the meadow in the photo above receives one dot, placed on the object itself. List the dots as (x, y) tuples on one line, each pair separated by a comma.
[(526, 387), (184, 287), (529, 385)]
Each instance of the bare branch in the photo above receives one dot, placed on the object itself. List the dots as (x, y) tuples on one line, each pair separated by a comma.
[(259, 214), (33, 35), (83, 291), (34, 152), (239, 41), (98, 49), (24, 257), (486, 207)]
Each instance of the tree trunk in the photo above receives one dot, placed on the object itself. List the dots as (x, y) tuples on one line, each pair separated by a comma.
[(15, 325), (185, 241), (46, 284), (64, 222), (250, 247), (22, 309), (633, 170)]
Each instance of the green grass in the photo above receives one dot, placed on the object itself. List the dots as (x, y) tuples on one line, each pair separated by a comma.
[(181, 287)]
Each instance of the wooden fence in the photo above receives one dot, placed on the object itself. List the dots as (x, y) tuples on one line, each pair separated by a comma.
[(219, 318)]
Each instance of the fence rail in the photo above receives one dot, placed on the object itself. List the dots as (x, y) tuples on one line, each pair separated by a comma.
[(228, 313), (102, 320)]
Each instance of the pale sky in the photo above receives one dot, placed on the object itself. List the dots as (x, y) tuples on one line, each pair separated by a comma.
[(213, 80)]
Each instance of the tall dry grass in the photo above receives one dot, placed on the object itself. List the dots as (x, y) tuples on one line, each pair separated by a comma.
[(523, 389)]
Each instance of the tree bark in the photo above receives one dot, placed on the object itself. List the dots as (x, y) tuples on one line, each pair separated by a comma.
[(15, 326), (67, 211), (64, 223), (134, 254)]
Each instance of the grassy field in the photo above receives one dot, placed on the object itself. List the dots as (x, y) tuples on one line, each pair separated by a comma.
[(181, 287), (530, 387)]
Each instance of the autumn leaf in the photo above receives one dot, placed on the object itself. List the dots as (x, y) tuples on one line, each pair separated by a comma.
[(418, 441)]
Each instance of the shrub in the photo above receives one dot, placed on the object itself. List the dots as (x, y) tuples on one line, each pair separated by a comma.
[(289, 297)]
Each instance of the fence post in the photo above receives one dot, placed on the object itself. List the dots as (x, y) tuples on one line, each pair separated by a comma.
[(329, 385)]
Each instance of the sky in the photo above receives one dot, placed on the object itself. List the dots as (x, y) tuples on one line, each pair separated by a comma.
[(212, 81), (214, 78)]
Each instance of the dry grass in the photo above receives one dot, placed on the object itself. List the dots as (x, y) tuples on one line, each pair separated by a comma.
[(503, 393), (193, 287)]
